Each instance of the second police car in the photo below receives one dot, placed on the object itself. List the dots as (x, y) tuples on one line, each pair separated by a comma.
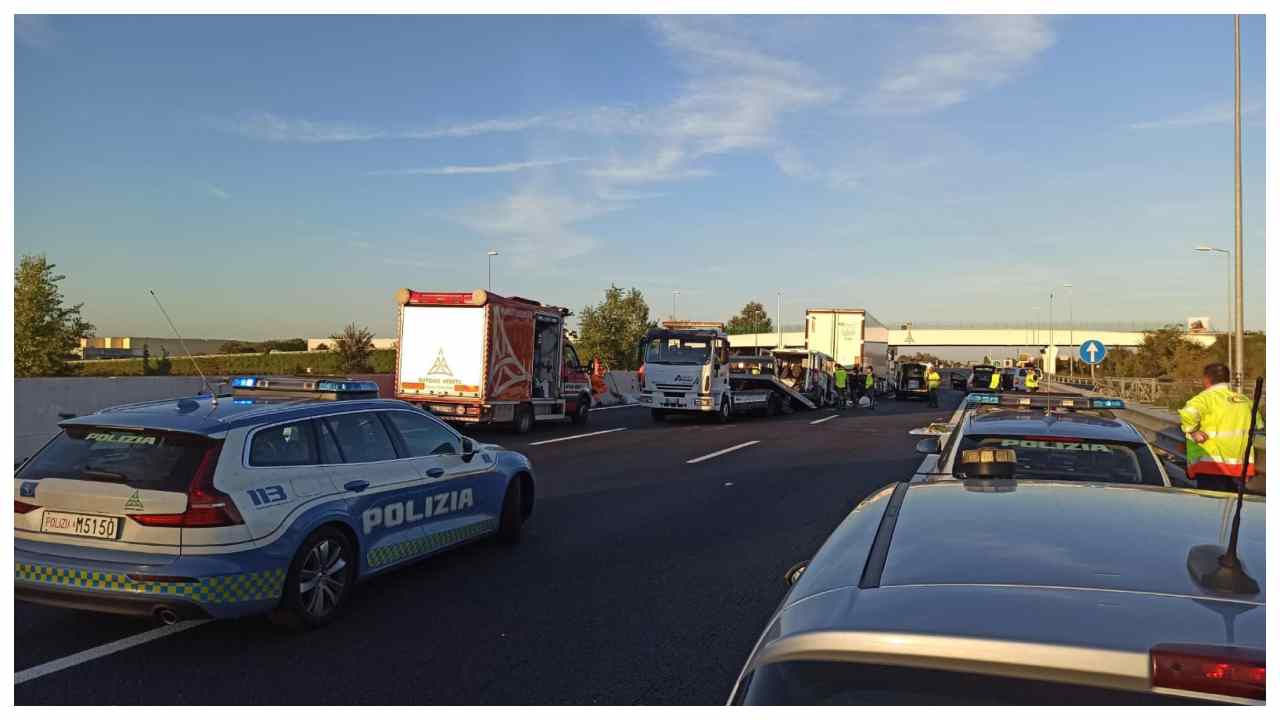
[(279, 497)]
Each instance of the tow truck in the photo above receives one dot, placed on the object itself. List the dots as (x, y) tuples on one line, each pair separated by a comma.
[(686, 368)]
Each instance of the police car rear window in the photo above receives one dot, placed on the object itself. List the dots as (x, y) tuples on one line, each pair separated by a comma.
[(1046, 458), (142, 459)]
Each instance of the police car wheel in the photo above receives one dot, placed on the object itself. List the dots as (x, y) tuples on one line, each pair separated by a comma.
[(583, 411), (320, 578), (511, 524)]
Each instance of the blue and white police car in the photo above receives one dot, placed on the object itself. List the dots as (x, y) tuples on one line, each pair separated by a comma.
[(279, 496)]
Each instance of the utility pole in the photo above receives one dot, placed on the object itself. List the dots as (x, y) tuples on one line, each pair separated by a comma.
[(1239, 319), (491, 254), (674, 294), (1053, 351), (779, 319), (1071, 327)]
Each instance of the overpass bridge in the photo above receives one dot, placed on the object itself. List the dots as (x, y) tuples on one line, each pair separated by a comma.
[(1065, 339)]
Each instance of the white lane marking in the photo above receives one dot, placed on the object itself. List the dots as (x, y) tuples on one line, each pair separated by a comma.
[(718, 453), (110, 648), (614, 407), (822, 420), (575, 437)]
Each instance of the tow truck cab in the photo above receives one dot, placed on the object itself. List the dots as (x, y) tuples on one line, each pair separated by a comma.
[(686, 367)]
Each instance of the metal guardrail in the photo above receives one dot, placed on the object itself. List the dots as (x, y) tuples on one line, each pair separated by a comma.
[(1151, 391)]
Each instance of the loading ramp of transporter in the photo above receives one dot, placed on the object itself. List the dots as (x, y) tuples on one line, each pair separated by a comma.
[(754, 375)]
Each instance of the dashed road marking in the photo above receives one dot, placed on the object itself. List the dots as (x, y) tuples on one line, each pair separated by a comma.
[(575, 437), (718, 453), (822, 420), (110, 648), (614, 407)]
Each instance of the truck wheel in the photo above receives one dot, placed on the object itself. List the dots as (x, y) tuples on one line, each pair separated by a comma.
[(775, 405), (726, 411), (523, 421), (583, 411), (658, 415)]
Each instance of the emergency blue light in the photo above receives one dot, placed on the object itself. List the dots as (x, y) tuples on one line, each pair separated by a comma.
[(243, 382), (1108, 403), (980, 399), (346, 386)]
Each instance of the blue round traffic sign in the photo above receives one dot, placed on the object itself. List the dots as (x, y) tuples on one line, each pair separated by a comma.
[(1092, 352)]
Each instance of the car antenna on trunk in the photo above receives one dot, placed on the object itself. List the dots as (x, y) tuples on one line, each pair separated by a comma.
[(1211, 566), (213, 396)]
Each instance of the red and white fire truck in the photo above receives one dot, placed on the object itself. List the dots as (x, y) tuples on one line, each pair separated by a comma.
[(479, 357)]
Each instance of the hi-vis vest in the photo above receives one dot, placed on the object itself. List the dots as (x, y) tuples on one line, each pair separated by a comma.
[(871, 381), (995, 380), (1223, 415), (934, 379), (841, 377), (1032, 381)]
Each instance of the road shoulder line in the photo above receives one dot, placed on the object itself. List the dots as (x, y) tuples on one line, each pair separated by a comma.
[(84, 656), (575, 437), (718, 453)]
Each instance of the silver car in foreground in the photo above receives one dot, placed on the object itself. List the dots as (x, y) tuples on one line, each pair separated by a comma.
[(1018, 591)]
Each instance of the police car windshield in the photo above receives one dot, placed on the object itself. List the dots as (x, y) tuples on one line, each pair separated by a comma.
[(677, 351), (141, 459), (1051, 458)]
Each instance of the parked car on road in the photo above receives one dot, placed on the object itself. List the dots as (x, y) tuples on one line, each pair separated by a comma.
[(280, 496)]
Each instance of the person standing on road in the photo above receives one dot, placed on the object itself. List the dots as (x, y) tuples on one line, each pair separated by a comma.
[(842, 385), (994, 384), (1033, 380), (869, 385), (1216, 423), (933, 380)]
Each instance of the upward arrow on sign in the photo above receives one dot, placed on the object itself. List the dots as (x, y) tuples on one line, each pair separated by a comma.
[(1093, 352)]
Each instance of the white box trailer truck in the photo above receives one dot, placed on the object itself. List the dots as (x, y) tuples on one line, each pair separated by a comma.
[(850, 336)]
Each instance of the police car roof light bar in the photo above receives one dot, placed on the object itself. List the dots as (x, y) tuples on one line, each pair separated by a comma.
[(252, 384), (1060, 402)]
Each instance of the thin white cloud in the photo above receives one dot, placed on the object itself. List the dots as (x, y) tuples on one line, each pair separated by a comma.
[(535, 225), (1219, 114), (36, 31), (511, 167), (217, 192), (965, 55), (277, 128), (483, 127)]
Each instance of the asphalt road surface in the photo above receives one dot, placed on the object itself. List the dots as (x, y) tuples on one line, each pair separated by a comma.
[(644, 578)]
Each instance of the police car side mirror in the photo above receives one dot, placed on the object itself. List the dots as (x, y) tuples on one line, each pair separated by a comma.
[(792, 575), (468, 448), (928, 446)]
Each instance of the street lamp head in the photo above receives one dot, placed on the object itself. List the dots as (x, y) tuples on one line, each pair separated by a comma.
[(1067, 285), (491, 253)]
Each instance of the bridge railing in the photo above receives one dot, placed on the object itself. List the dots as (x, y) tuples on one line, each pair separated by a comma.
[(1151, 391)]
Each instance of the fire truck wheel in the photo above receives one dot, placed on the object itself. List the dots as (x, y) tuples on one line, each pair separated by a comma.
[(523, 421), (583, 411)]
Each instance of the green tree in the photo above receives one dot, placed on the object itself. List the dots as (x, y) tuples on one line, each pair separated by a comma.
[(612, 330), (237, 347), (752, 319), (354, 347), (44, 331)]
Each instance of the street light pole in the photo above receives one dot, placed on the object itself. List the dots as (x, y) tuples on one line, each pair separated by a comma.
[(1071, 327), (1231, 364), (492, 254), (674, 294), (1052, 350), (779, 318), (1239, 314)]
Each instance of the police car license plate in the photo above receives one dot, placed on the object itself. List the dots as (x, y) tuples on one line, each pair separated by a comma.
[(913, 384), (96, 526)]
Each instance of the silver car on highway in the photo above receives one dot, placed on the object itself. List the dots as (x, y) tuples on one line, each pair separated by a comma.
[(1023, 591)]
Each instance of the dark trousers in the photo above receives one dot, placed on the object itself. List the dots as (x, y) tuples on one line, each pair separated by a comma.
[(1225, 483), (933, 397)]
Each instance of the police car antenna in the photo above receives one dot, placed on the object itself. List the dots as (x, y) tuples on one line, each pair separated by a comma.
[(1224, 571), (212, 394)]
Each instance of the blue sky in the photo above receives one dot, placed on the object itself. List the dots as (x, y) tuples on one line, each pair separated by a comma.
[(282, 176)]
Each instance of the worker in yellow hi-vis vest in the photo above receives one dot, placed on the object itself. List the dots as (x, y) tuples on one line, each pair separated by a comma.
[(995, 380), (933, 381), (1216, 423), (842, 385), (1033, 380)]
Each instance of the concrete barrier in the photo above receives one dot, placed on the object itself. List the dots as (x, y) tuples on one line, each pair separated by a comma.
[(40, 403)]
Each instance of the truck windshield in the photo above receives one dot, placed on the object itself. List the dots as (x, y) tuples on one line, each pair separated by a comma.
[(677, 351)]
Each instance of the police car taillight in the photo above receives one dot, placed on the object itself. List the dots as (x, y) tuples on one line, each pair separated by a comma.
[(206, 505), (1215, 670)]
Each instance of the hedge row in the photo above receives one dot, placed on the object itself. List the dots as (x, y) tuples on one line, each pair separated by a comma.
[(317, 363)]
